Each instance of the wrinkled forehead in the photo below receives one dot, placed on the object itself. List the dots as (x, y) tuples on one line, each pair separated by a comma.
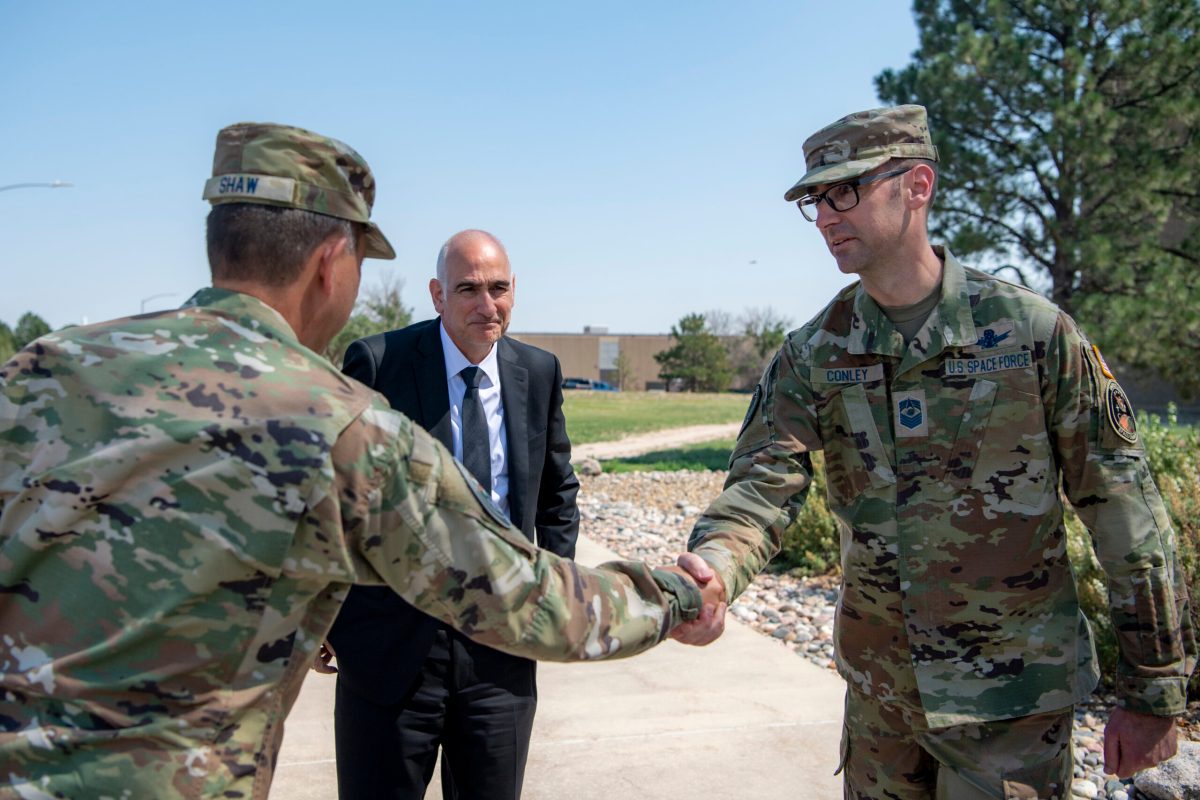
[(480, 260)]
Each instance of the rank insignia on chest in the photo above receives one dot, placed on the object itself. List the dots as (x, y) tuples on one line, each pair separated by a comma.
[(1120, 413), (911, 416)]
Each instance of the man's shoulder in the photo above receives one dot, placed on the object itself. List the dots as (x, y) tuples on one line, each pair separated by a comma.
[(993, 298), (989, 286), (400, 340), (529, 354), (836, 319)]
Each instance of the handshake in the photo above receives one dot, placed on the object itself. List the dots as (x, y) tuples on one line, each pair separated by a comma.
[(707, 627)]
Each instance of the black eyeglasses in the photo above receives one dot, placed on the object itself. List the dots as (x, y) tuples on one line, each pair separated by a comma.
[(841, 196)]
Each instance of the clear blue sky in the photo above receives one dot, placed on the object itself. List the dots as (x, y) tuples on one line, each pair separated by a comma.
[(632, 156)]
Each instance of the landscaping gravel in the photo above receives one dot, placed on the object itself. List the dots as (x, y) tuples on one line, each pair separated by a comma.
[(647, 516)]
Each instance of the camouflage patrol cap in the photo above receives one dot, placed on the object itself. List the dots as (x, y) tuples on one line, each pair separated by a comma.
[(278, 165), (860, 142)]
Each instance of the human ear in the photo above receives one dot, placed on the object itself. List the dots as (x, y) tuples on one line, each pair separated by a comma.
[(921, 183)]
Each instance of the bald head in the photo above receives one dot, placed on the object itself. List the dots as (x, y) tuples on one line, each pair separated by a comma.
[(467, 245), (473, 291)]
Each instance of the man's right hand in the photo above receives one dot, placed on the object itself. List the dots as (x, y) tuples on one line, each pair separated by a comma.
[(709, 626), (1134, 742), (321, 663)]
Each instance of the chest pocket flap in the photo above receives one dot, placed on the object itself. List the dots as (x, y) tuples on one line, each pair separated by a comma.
[(866, 436), (972, 428)]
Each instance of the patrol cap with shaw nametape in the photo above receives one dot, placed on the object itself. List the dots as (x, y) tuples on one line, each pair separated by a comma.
[(278, 165), (860, 142)]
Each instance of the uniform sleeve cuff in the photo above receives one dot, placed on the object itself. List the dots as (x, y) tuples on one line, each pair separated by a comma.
[(1162, 697), (684, 596)]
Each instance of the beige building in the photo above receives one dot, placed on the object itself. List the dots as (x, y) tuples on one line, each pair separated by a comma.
[(598, 355)]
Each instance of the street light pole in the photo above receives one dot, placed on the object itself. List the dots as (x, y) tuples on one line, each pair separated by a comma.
[(50, 185), (155, 297)]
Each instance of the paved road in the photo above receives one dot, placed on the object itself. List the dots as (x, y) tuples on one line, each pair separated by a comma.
[(741, 718)]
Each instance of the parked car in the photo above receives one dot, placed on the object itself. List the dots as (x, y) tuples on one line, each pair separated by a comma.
[(588, 383)]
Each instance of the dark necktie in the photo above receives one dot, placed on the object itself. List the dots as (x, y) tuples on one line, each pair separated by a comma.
[(476, 445)]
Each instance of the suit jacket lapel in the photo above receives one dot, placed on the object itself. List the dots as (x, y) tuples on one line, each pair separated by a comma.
[(514, 393), (429, 376)]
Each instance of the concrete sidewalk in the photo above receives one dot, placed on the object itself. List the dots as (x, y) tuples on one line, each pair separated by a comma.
[(741, 718)]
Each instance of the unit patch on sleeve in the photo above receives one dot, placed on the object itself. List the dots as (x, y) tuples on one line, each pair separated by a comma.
[(1103, 365), (1120, 412)]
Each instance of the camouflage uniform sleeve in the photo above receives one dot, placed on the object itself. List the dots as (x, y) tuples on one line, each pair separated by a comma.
[(413, 519), (770, 471), (1107, 480)]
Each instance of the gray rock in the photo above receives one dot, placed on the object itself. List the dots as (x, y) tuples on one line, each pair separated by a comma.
[(1084, 788), (1175, 778), (744, 614), (589, 467)]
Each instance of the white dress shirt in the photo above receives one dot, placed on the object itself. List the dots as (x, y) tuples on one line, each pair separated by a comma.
[(493, 410)]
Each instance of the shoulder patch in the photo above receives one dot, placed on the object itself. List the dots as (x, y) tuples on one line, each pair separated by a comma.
[(754, 402), (1103, 364), (1120, 411)]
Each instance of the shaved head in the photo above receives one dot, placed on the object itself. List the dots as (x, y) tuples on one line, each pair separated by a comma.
[(465, 244)]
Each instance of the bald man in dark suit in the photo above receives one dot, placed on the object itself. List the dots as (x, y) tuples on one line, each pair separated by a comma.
[(407, 684)]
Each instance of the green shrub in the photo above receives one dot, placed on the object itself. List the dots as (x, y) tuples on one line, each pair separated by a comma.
[(811, 545), (1174, 454)]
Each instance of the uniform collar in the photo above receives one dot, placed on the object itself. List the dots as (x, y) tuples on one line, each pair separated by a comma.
[(950, 324), (249, 311)]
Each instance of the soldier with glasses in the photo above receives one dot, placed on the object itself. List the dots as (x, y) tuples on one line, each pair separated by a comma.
[(951, 406)]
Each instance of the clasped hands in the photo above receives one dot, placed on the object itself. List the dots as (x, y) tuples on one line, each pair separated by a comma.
[(711, 623)]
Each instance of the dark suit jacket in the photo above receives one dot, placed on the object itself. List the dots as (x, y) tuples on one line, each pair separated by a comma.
[(381, 641)]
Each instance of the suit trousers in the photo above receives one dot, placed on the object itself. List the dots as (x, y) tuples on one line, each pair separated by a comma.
[(481, 724)]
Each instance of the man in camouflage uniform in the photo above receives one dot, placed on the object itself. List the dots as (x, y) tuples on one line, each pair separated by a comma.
[(949, 406), (186, 496)]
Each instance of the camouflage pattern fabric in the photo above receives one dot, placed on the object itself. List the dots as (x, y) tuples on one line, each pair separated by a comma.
[(943, 461), (1028, 758), (185, 498), (859, 142), (279, 165)]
